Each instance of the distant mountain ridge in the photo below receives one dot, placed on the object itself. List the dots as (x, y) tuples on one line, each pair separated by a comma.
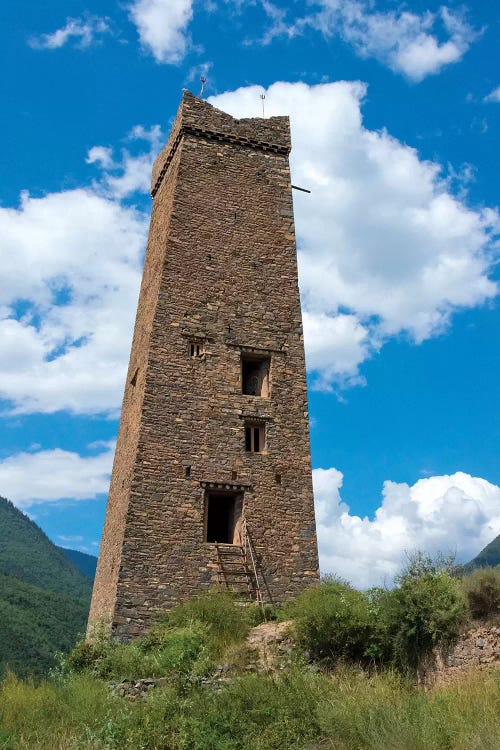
[(44, 596), (87, 564), (490, 555)]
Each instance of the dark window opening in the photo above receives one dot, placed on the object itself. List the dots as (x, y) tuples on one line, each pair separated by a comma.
[(223, 517), (196, 349), (188, 471), (134, 379), (254, 438), (278, 478), (255, 375), (234, 475)]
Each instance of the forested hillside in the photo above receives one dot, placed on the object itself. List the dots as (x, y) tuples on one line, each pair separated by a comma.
[(44, 597), (34, 624), (27, 553)]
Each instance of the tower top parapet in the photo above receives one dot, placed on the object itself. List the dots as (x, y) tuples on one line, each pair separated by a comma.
[(196, 117)]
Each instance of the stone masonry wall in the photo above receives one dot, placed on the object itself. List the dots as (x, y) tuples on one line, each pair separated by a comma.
[(220, 269)]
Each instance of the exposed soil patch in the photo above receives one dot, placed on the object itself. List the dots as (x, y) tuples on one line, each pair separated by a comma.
[(272, 644)]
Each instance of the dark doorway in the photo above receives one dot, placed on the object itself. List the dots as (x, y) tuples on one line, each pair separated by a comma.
[(223, 517)]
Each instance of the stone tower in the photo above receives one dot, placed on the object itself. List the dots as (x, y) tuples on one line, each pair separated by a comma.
[(211, 481)]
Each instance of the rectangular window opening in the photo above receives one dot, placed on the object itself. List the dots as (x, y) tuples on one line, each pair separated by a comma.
[(255, 436), (223, 517), (255, 375)]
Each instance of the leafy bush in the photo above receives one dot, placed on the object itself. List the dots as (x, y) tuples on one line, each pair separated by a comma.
[(379, 647), (403, 627), (333, 621), (227, 621), (425, 613), (482, 589), (177, 653)]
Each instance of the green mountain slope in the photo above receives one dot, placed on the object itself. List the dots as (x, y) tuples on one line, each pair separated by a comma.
[(34, 625), (44, 597), (28, 554), (87, 564), (490, 555)]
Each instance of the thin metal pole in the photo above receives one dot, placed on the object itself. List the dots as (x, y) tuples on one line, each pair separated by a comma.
[(263, 96)]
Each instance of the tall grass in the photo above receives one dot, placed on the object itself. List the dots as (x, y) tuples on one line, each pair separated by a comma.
[(343, 711), (297, 708)]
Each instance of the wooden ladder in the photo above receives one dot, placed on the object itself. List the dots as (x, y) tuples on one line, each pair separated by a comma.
[(250, 552), (233, 571), (237, 568)]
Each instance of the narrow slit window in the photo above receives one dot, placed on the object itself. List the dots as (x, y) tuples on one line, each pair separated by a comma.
[(255, 375), (254, 438), (196, 349)]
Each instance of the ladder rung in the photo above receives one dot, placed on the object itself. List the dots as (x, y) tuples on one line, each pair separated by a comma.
[(231, 552), (236, 573)]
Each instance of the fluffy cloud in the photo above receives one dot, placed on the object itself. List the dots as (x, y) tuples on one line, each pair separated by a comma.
[(162, 27), (416, 45), (82, 31), (130, 173), (69, 285), (336, 346), (457, 513), (402, 40), (385, 247), (50, 475), (493, 96)]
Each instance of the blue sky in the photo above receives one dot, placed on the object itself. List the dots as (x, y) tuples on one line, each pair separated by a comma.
[(395, 111)]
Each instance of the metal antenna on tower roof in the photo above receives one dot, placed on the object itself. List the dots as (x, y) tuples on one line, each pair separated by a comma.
[(203, 82), (263, 96)]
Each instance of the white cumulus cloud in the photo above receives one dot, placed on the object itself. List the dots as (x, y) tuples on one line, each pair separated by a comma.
[(385, 246), (72, 263), (457, 513), (82, 31), (51, 475), (162, 27)]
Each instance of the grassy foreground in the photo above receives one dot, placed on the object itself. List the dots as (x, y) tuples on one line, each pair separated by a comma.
[(348, 684), (343, 711)]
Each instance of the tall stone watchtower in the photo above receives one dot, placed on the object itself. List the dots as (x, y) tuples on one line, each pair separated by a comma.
[(211, 481)]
